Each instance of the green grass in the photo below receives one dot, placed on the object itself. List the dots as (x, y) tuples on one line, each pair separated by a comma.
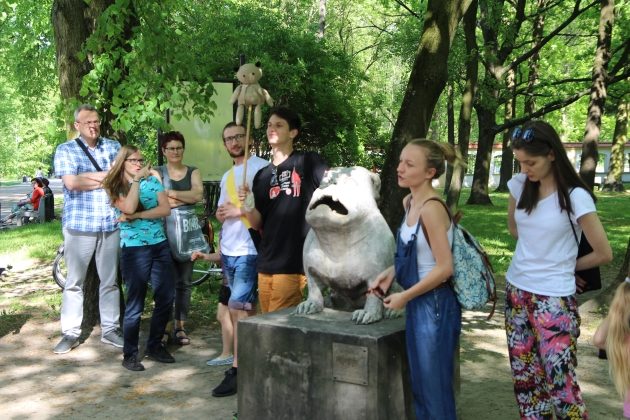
[(32, 241), (9, 183)]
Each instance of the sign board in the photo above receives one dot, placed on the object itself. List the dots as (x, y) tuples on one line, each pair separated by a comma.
[(204, 141)]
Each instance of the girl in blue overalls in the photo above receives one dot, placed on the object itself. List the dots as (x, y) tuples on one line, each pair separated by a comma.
[(423, 267)]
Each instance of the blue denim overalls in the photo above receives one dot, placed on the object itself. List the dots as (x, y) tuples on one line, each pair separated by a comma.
[(433, 326)]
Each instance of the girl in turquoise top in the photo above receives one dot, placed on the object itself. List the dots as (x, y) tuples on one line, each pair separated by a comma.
[(141, 204)]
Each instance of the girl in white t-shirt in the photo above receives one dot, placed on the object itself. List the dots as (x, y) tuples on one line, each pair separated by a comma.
[(541, 313)]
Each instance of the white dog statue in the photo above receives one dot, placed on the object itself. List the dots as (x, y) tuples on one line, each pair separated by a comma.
[(348, 245)]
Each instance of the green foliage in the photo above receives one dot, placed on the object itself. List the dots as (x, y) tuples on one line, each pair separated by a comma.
[(149, 56), (142, 67)]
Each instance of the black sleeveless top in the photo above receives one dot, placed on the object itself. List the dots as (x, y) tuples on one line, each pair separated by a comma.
[(184, 184)]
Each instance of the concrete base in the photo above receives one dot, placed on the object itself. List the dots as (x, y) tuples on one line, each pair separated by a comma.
[(322, 366)]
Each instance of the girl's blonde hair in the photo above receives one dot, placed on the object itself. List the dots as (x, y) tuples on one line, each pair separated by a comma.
[(437, 153), (115, 183), (618, 337)]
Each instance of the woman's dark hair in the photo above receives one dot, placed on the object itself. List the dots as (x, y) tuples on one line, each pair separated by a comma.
[(38, 181), (538, 138), (170, 136)]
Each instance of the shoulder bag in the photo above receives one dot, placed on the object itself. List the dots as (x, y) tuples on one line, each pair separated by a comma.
[(182, 228), (591, 276)]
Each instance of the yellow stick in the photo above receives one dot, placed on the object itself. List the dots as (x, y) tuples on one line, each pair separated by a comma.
[(248, 130)]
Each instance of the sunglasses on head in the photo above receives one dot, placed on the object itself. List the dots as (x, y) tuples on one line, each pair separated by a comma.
[(526, 135)]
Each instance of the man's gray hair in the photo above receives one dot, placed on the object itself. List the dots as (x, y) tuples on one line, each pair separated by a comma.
[(84, 107)]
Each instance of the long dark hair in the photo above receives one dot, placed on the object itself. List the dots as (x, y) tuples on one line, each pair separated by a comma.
[(540, 141)]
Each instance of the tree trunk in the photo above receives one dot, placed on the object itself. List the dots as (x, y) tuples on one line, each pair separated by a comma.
[(590, 156), (466, 108), (479, 191), (70, 29), (426, 82), (450, 116), (321, 29), (534, 61), (507, 157), (617, 153), (73, 22)]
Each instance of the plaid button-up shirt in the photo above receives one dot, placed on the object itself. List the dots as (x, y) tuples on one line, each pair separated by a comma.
[(86, 211)]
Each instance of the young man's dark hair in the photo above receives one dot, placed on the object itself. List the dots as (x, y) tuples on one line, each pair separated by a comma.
[(290, 116)]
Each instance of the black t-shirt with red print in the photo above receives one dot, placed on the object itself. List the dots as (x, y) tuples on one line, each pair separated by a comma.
[(282, 194)]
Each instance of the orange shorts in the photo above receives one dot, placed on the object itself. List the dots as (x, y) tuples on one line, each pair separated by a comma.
[(280, 291)]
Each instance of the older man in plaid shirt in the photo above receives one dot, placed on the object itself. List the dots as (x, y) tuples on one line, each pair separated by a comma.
[(89, 229)]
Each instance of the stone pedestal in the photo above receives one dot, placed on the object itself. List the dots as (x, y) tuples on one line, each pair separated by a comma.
[(322, 366)]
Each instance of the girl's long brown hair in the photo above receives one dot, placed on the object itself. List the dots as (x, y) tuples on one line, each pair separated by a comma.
[(115, 183), (544, 141)]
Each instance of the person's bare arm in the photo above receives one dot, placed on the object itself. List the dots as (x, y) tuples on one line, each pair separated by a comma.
[(161, 210), (192, 196), (249, 210), (596, 235), (511, 222)]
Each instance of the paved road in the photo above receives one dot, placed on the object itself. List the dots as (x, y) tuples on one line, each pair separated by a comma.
[(12, 194)]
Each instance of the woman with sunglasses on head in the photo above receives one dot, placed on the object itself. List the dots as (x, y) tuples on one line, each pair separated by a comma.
[(141, 204), (541, 313), (184, 187)]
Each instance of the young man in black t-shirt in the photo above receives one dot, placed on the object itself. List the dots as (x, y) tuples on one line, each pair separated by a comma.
[(276, 207)]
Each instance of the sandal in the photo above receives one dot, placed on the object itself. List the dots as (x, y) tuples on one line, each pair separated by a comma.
[(182, 339)]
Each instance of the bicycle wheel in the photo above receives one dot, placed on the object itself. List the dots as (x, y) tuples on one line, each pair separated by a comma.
[(203, 270), (59, 268)]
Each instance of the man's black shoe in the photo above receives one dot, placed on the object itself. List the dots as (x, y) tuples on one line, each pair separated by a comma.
[(159, 354), (228, 386), (132, 363)]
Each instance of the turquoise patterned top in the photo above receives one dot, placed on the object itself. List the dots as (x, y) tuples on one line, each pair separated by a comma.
[(141, 232)]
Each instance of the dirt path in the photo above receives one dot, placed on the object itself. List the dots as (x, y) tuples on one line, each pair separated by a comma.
[(90, 383)]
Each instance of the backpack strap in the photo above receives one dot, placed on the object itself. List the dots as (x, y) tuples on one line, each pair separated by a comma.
[(448, 211), (88, 154)]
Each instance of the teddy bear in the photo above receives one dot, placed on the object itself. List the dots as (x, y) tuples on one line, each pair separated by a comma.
[(250, 93)]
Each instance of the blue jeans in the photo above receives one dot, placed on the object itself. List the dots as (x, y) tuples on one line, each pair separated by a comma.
[(433, 328), (242, 278), (141, 265)]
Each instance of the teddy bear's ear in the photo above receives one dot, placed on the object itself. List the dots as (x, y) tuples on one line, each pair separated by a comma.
[(257, 63)]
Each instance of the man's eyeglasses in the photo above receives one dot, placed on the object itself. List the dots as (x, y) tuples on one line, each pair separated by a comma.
[(235, 138), (135, 161), (94, 123), (174, 149), (526, 135)]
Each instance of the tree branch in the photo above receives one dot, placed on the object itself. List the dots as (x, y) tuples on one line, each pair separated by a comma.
[(623, 60), (553, 106), (576, 12), (404, 6)]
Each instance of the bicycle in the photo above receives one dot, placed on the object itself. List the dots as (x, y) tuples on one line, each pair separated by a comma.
[(202, 270)]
